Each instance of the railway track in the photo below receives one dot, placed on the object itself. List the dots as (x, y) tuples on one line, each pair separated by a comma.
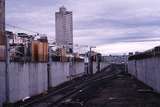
[(78, 98), (67, 96)]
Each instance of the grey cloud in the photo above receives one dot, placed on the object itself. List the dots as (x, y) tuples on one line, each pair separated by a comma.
[(95, 22)]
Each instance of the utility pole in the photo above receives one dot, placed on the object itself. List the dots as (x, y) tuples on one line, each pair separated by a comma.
[(98, 60), (90, 68), (49, 66), (126, 64), (7, 68), (4, 42)]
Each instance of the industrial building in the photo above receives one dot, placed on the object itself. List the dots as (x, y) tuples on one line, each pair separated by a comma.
[(2, 22), (24, 47), (64, 29), (40, 50)]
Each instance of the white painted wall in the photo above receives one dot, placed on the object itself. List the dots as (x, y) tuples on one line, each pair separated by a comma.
[(59, 72), (79, 68), (29, 79), (64, 71), (94, 67), (38, 78), (2, 83), (102, 65), (25, 79), (148, 71)]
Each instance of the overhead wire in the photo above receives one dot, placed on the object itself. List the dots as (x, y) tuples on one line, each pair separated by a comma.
[(36, 32)]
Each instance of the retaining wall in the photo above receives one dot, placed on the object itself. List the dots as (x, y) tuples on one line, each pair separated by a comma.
[(29, 79), (64, 71), (25, 79), (94, 67), (102, 65), (2, 83), (61, 72), (146, 70)]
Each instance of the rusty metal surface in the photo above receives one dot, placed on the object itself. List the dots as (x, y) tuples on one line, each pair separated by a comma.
[(39, 51), (2, 53), (2, 22)]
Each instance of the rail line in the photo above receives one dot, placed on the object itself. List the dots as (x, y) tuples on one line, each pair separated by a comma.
[(65, 95), (69, 99)]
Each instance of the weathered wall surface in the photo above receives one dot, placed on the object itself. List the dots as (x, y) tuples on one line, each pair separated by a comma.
[(2, 83), (61, 72), (147, 71), (94, 67), (25, 79), (58, 73), (29, 79), (18, 81), (65, 71), (102, 65), (38, 78), (79, 67)]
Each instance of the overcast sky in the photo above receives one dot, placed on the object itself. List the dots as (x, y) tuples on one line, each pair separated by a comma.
[(114, 26)]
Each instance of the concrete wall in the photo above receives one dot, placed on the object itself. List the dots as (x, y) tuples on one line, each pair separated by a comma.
[(147, 71), (29, 79), (58, 73), (2, 83), (79, 68), (102, 65), (94, 67), (25, 79), (65, 71)]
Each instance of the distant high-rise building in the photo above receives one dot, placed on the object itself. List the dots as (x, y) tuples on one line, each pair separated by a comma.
[(64, 29), (2, 22)]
